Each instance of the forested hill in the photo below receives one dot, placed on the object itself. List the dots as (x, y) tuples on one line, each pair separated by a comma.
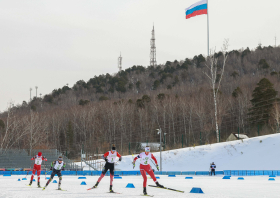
[(129, 106)]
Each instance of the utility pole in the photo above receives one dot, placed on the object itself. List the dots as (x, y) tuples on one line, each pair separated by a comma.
[(30, 93), (159, 132), (153, 61), (120, 62), (36, 90)]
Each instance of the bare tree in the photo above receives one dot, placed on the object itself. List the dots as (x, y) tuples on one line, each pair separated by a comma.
[(215, 78)]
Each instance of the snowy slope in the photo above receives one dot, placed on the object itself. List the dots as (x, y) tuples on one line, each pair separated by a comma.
[(259, 153)]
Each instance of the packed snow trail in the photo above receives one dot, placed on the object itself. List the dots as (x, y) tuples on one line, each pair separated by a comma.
[(213, 187)]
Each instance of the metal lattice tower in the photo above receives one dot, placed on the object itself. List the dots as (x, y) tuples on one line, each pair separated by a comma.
[(120, 63), (153, 61)]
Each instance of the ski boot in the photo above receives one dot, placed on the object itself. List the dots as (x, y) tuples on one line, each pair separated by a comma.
[(95, 186), (111, 190), (39, 186), (144, 191), (158, 185), (59, 187), (30, 183)]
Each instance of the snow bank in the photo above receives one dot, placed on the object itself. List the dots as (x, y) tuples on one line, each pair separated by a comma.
[(259, 153)]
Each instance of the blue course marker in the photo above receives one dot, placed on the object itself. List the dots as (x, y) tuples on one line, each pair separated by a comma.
[(130, 185), (83, 183), (196, 190)]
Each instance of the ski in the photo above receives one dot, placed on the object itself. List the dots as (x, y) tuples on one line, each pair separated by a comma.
[(61, 189), (147, 195), (167, 188), (115, 192), (32, 186), (92, 188)]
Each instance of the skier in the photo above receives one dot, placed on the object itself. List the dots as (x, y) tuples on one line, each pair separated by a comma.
[(109, 157), (37, 167), (145, 167), (212, 167), (56, 167)]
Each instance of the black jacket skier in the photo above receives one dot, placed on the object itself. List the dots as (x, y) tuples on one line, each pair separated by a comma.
[(212, 167)]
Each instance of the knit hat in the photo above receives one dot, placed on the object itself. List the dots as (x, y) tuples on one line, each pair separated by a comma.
[(113, 147), (147, 149), (39, 153)]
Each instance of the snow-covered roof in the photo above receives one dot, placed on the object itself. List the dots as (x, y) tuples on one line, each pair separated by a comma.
[(242, 136)]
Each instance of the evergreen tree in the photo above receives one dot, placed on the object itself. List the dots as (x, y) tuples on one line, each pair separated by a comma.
[(264, 96)]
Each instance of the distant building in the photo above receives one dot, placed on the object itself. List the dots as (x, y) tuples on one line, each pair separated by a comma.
[(234, 136), (153, 145)]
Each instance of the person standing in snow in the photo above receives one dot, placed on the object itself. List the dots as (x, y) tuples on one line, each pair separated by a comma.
[(212, 167), (110, 158), (145, 167), (38, 159)]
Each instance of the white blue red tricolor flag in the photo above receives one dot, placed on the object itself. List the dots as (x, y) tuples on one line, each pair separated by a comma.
[(198, 8)]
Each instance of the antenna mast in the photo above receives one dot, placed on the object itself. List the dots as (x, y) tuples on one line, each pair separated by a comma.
[(120, 62), (153, 61), (36, 90), (30, 93)]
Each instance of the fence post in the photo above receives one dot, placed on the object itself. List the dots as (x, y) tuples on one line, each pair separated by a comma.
[(182, 141)]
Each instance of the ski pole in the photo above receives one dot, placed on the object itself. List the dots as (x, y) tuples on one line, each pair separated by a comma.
[(153, 164), (28, 170), (45, 170)]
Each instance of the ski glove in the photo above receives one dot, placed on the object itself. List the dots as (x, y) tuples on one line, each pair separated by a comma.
[(106, 160), (51, 168), (157, 167), (120, 159)]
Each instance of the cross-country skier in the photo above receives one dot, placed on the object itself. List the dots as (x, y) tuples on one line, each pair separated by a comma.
[(212, 167), (37, 167), (145, 167), (110, 158), (56, 167)]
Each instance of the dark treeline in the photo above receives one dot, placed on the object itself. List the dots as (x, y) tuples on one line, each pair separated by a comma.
[(128, 107)]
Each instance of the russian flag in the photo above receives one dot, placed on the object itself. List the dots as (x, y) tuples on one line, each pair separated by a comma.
[(198, 8)]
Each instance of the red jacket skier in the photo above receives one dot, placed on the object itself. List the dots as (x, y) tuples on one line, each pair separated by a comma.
[(145, 167), (110, 158), (37, 167)]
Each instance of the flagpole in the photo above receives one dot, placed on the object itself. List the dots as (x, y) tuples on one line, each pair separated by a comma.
[(207, 28)]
